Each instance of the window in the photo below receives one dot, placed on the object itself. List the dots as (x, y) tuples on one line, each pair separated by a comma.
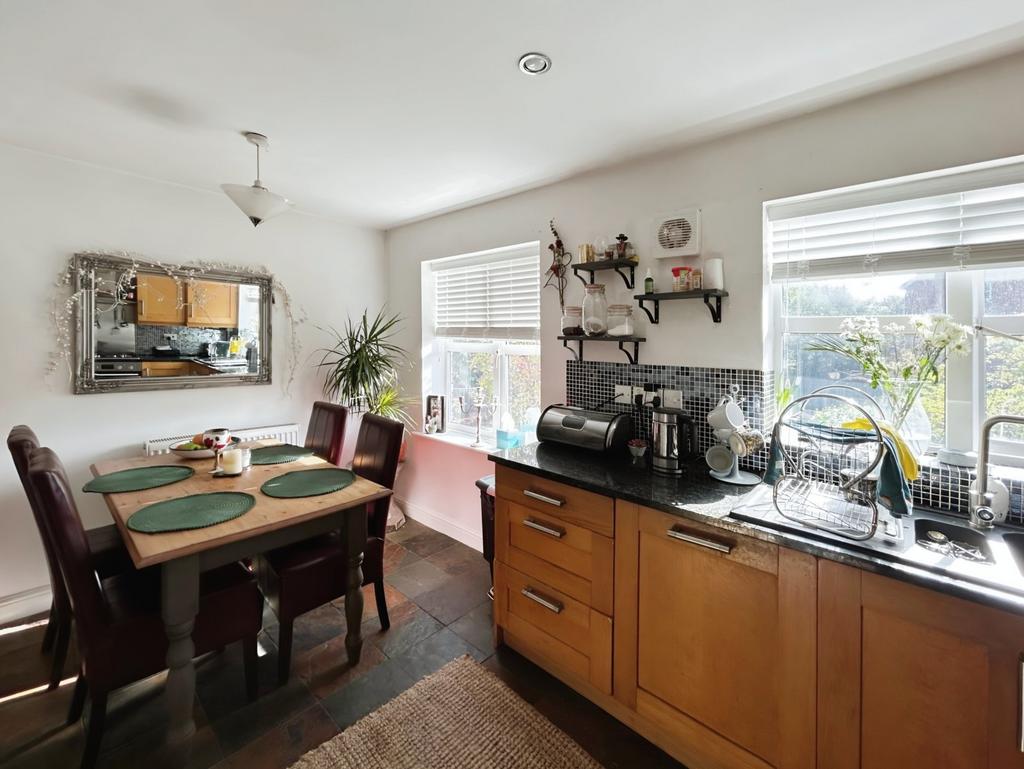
[(946, 243), (481, 338)]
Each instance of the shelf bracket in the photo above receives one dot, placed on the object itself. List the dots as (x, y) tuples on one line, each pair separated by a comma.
[(716, 310), (578, 352), (636, 351), (590, 273), (656, 317), (628, 281)]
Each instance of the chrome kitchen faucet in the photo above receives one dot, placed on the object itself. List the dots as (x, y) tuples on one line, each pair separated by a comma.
[(982, 516)]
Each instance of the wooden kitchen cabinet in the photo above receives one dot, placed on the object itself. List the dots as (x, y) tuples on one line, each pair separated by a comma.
[(212, 304), (912, 677), (725, 630), (160, 301), (166, 368)]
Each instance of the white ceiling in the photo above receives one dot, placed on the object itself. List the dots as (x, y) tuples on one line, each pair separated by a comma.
[(383, 111)]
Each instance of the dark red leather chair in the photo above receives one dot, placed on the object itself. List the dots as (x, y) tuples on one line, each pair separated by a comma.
[(326, 433), (106, 549), (308, 574), (119, 631)]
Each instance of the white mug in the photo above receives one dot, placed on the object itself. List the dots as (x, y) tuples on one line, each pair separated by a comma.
[(719, 458), (727, 415)]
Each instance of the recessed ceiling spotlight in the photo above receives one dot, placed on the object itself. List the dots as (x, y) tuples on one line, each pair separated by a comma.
[(534, 63)]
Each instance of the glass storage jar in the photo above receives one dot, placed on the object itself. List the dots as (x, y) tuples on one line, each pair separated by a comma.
[(620, 320), (595, 310), (572, 321)]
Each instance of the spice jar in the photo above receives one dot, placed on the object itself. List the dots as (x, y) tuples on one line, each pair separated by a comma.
[(572, 321), (595, 310), (620, 320)]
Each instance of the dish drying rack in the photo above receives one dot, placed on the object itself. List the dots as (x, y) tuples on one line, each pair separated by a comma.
[(829, 472)]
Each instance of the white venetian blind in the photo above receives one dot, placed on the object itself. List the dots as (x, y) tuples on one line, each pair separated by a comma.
[(494, 294), (963, 218)]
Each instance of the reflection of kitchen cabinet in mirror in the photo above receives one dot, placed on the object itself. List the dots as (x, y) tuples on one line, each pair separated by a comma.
[(161, 301), (212, 304), (143, 327)]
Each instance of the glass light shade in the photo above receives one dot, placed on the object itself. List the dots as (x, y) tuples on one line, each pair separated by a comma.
[(256, 202)]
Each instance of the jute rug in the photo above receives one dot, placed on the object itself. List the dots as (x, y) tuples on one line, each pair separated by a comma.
[(461, 717)]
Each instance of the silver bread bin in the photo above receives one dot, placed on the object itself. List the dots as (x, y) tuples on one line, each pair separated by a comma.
[(592, 430)]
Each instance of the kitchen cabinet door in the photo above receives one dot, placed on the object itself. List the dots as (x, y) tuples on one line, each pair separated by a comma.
[(912, 677), (726, 636), (212, 304), (166, 368), (160, 301)]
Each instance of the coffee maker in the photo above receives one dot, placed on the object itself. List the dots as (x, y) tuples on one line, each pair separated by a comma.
[(674, 438)]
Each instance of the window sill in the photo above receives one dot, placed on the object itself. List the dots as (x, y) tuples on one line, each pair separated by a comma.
[(457, 439)]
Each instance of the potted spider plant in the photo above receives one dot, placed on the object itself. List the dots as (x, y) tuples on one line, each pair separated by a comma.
[(361, 371)]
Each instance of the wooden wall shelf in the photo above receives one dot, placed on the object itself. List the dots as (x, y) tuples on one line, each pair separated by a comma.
[(622, 340), (707, 295)]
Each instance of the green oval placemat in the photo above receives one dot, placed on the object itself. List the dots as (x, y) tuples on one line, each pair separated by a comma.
[(138, 479), (274, 455), (308, 483), (193, 512)]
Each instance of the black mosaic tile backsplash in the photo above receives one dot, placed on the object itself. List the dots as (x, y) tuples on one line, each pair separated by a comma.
[(590, 383), (190, 340)]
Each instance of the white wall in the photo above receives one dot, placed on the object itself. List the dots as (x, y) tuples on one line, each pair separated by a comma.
[(968, 116), (50, 208)]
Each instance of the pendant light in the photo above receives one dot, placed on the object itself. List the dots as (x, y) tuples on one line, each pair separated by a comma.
[(256, 202)]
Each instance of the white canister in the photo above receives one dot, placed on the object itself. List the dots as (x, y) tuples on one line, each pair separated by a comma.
[(714, 273)]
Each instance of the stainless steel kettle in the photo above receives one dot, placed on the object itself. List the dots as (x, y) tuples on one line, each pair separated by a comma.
[(674, 438)]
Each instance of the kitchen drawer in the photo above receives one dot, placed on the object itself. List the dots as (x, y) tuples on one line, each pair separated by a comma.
[(574, 560), (546, 622), (583, 508)]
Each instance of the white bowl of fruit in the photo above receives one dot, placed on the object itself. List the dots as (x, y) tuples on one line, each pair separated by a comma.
[(195, 448)]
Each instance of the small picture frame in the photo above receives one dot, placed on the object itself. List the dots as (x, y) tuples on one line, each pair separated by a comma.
[(434, 420)]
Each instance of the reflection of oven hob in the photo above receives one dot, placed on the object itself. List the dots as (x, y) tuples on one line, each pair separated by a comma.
[(117, 366)]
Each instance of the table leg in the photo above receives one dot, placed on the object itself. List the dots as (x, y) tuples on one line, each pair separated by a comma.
[(179, 602), (355, 534)]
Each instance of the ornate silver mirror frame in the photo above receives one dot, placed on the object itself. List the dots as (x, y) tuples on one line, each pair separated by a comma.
[(85, 267)]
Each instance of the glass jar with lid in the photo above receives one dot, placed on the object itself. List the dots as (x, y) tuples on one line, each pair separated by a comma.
[(620, 320), (595, 310), (572, 321)]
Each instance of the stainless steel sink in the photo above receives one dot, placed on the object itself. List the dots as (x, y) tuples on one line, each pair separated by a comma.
[(952, 540), (928, 540)]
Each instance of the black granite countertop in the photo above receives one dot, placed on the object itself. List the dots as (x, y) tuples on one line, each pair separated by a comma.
[(699, 497)]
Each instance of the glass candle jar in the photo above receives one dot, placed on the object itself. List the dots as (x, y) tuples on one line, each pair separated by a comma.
[(620, 320), (572, 321), (595, 310)]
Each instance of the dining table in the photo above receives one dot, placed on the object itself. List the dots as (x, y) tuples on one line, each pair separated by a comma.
[(269, 524)]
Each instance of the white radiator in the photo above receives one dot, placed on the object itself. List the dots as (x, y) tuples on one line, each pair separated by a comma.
[(283, 433)]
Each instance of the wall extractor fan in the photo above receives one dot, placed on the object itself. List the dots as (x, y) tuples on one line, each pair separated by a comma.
[(677, 234)]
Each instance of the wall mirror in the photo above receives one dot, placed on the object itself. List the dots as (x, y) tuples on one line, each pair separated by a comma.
[(148, 327)]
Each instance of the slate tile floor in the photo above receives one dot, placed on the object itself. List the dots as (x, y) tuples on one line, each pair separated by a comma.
[(437, 597)]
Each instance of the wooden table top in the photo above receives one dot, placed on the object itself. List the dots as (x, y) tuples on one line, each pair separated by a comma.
[(268, 514)]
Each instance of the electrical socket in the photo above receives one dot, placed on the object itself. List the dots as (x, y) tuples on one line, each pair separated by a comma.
[(623, 395), (650, 395), (672, 399)]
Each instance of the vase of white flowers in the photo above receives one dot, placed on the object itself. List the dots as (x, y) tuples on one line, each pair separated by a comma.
[(898, 368)]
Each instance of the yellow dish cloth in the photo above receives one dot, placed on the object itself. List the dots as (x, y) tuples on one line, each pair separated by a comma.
[(905, 455)]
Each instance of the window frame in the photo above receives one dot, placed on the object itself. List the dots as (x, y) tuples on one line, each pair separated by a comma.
[(501, 350), (965, 376)]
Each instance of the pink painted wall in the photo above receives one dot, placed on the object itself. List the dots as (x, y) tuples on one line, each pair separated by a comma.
[(436, 486)]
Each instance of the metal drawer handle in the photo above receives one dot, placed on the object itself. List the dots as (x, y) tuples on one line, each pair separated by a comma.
[(543, 498), (710, 544), (543, 529), (545, 602), (1020, 691)]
